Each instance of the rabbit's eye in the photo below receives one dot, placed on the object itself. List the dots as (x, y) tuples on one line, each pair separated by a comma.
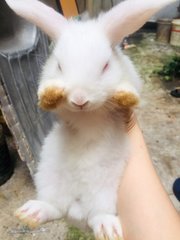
[(59, 67), (106, 66)]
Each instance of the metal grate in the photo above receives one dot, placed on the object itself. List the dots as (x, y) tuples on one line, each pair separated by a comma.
[(19, 72)]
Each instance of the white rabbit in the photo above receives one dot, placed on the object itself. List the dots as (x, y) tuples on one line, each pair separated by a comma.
[(86, 81)]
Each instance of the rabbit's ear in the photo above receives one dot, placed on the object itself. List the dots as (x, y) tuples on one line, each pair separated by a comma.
[(46, 18), (128, 16)]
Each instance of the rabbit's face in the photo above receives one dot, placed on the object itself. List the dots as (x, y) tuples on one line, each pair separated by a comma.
[(84, 68)]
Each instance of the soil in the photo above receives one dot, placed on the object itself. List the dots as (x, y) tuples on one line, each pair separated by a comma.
[(159, 118)]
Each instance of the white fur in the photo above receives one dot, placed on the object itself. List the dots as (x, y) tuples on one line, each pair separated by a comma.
[(84, 155), (81, 166), (110, 224)]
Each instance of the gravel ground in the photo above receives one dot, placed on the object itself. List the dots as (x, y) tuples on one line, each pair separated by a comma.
[(159, 118)]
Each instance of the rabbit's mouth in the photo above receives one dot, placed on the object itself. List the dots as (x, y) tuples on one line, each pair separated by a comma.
[(78, 108), (87, 107)]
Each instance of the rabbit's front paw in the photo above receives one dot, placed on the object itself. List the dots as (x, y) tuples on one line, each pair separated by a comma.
[(126, 99), (50, 98), (35, 212), (106, 227)]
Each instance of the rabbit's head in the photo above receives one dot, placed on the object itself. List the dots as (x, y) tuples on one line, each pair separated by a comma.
[(85, 70)]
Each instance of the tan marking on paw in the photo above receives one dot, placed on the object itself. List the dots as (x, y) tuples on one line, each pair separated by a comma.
[(51, 98), (126, 99)]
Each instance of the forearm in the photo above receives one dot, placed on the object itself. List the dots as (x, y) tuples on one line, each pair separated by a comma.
[(145, 210)]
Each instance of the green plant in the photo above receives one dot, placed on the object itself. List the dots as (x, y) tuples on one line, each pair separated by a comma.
[(76, 234), (171, 69)]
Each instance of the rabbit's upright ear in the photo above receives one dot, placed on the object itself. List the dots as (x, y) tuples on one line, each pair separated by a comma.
[(128, 16), (46, 18)]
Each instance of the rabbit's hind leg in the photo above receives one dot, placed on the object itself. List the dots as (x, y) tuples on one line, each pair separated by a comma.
[(106, 227), (35, 212)]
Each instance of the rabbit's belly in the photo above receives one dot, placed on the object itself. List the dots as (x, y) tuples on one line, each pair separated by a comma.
[(83, 176), (95, 191), (95, 177)]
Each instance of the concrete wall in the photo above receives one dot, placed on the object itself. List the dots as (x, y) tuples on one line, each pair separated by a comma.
[(168, 12), (51, 3)]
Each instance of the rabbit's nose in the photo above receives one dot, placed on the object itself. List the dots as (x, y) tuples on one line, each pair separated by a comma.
[(78, 98), (80, 104)]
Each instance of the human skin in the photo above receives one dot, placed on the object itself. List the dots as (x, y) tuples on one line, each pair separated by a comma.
[(146, 211)]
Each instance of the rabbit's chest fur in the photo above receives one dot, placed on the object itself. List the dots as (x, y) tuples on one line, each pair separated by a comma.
[(83, 159)]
